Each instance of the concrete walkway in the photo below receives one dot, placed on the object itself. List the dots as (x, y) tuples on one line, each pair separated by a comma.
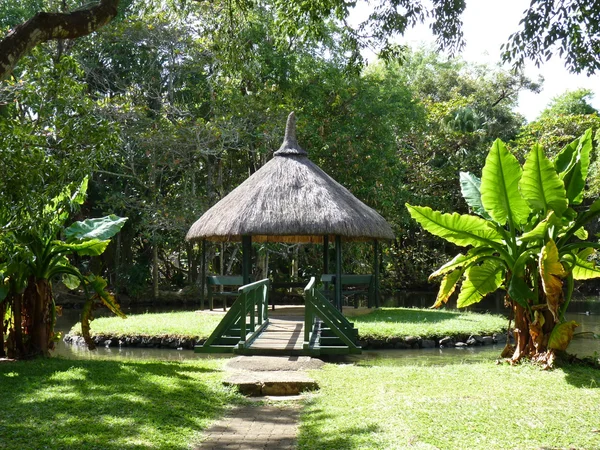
[(261, 426)]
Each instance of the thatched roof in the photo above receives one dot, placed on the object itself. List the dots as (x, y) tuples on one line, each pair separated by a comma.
[(290, 199)]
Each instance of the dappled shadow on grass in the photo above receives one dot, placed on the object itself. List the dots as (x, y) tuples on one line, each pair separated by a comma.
[(104, 404), (581, 375), (406, 315), (313, 436)]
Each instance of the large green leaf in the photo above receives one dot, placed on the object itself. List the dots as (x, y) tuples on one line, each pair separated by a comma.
[(500, 187), (447, 287), (584, 270), (71, 281), (459, 229), (92, 247), (566, 158), (460, 260), (540, 184), (102, 228), (572, 164), (520, 292), (539, 232), (98, 285), (470, 187), (561, 335), (551, 272), (479, 281)]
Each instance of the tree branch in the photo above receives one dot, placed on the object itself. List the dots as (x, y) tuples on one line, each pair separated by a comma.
[(45, 27)]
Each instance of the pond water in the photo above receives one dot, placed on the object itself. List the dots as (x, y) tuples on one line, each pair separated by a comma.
[(585, 311)]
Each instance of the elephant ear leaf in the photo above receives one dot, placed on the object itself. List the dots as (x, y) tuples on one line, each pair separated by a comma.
[(98, 285), (552, 272), (102, 228), (459, 229), (540, 184), (572, 164), (447, 287), (92, 247), (583, 269), (480, 280), (470, 187), (500, 187), (562, 335)]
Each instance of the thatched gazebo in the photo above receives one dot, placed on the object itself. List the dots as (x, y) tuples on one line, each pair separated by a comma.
[(290, 199)]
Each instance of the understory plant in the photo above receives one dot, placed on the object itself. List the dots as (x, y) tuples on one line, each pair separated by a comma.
[(527, 236), (36, 253)]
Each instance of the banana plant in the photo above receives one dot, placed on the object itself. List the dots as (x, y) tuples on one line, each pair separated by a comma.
[(526, 235), (37, 255)]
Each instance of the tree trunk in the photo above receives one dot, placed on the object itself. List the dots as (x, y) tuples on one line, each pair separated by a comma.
[(155, 291), (52, 26), (532, 333), (2, 312), (521, 331), (38, 296), (18, 348)]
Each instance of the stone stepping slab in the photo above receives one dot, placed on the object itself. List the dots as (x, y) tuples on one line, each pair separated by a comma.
[(272, 375)]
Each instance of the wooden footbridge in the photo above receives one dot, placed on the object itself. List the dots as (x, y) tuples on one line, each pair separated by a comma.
[(317, 329)]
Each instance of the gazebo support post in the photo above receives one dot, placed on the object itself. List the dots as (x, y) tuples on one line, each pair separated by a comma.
[(375, 274), (246, 258), (325, 254), (338, 272), (203, 275)]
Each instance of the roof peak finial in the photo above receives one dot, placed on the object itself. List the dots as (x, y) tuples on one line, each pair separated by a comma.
[(290, 144)]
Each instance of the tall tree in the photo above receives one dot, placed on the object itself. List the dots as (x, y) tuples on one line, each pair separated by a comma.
[(570, 27), (44, 27)]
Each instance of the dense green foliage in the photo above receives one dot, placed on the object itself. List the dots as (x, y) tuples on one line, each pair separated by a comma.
[(173, 104), (35, 253), (526, 234)]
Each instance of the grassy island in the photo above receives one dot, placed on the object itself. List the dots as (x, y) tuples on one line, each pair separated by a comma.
[(382, 323)]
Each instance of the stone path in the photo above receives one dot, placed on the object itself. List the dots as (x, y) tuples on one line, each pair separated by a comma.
[(258, 426), (254, 427)]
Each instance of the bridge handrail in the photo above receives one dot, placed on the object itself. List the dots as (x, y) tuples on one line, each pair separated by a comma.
[(318, 306), (254, 299)]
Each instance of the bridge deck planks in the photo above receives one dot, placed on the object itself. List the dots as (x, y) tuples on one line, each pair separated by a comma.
[(282, 333)]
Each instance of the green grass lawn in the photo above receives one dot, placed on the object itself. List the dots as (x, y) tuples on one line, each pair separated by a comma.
[(402, 322), (456, 406), (62, 404), (180, 324)]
